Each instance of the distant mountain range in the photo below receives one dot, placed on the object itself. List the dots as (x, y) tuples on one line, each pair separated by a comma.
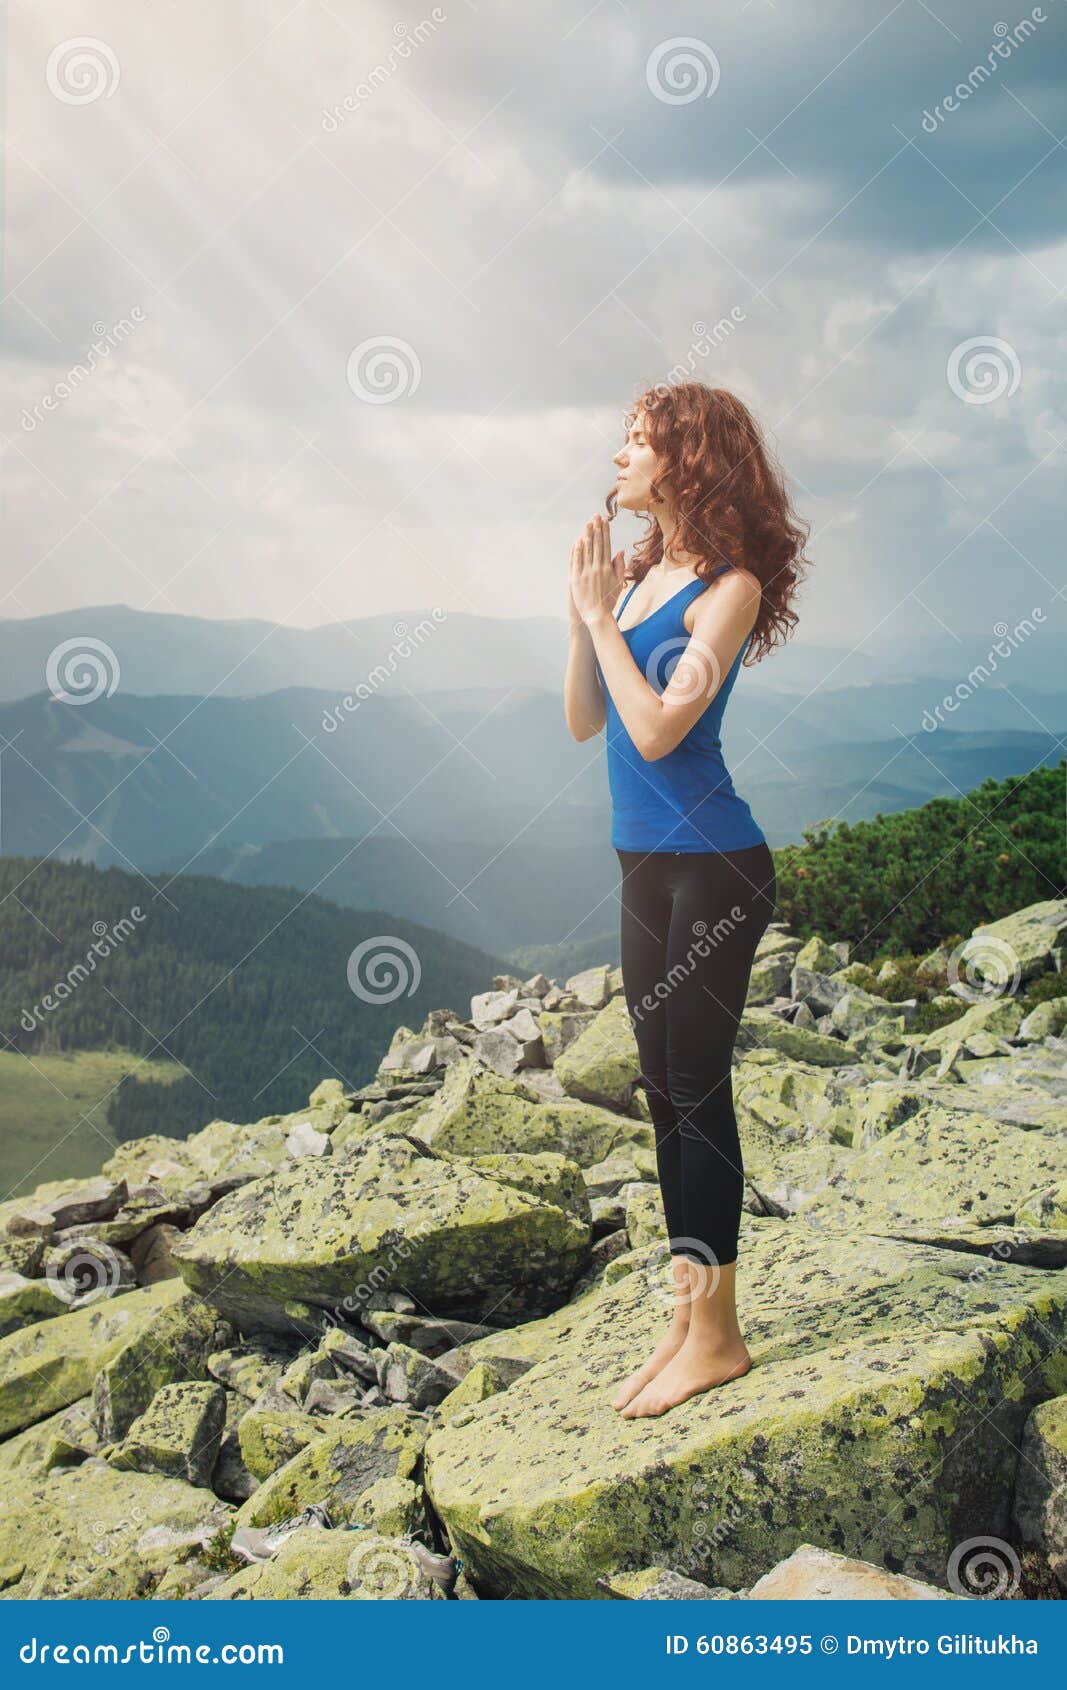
[(430, 651), (471, 812)]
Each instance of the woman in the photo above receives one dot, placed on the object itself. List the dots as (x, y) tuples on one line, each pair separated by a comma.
[(710, 582)]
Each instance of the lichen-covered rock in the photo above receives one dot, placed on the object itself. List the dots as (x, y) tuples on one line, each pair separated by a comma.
[(1035, 938), (602, 1064), (548, 1176), (79, 1524), (271, 1437), (65, 1439), (559, 1028), (178, 1434), (1048, 1020), (1026, 1246), (477, 1114), (662, 1584), (939, 1166), (645, 1220), (621, 1168), (969, 1033), (1016, 1105), (407, 1376), (340, 1466), (249, 1369), (1040, 1509), (591, 987), (425, 1333), (480, 1382), (820, 1575), (23, 1302), (171, 1346), (769, 978), (231, 1478), (392, 1508), (762, 1029), (1046, 1210), (395, 1216), (783, 1180), (881, 1370), (46, 1366), (324, 1565)]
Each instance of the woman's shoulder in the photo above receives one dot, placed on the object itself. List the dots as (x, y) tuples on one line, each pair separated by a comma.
[(737, 579)]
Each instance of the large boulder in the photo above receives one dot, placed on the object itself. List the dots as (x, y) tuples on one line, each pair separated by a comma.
[(811, 1574), (340, 1466), (178, 1434), (602, 1064), (1040, 1511), (169, 1348), (883, 1371), (46, 1366), (1032, 940), (86, 1527), (939, 1166), (761, 1029), (394, 1217), (477, 1114)]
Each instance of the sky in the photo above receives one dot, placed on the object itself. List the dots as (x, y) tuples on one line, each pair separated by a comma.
[(360, 301)]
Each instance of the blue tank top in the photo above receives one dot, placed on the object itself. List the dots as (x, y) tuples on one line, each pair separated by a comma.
[(684, 801)]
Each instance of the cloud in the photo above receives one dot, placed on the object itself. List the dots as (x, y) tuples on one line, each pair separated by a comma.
[(511, 204)]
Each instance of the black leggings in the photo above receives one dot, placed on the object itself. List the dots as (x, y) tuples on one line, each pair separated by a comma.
[(691, 922)]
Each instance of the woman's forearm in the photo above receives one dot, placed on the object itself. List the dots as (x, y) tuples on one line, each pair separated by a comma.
[(638, 705), (583, 696)]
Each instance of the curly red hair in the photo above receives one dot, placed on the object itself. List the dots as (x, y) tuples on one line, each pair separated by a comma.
[(729, 496)]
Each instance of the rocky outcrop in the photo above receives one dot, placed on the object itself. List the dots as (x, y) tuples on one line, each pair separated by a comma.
[(376, 1338)]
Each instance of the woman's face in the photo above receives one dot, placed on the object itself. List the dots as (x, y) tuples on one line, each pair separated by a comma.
[(638, 467)]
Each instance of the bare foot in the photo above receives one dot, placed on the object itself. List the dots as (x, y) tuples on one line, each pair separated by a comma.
[(695, 1367), (661, 1355)]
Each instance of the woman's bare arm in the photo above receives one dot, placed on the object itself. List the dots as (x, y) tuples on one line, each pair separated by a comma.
[(583, 695)]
